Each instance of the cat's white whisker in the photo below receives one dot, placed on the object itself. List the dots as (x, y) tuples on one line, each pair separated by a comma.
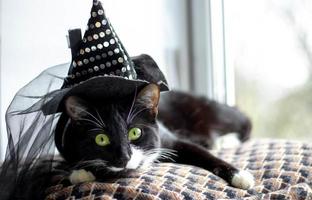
[(166, 157), (147, 126), (132, 105), (98, 122), (165, 151), (131, 114), (91, 115), (96, 129), (169, 154), (135, 114), (154, 155), (98, 114), (157, 161), (150, 158), (91, 121), (88, 163)]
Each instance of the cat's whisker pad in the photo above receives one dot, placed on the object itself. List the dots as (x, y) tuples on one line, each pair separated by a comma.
[(150, 159), (163, 153)]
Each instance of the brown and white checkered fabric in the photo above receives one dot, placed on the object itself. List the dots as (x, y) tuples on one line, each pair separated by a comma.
[(283, 170)]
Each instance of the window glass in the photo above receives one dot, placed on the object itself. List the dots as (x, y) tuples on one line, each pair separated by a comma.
[(269, 43)]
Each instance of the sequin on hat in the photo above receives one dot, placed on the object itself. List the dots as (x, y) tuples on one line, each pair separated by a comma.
[(99, 39)]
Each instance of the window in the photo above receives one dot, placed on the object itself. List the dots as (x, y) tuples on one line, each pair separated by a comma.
[(269, 44)]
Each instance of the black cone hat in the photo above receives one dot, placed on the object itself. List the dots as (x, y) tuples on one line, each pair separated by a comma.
[(101, 66), (100, 51)]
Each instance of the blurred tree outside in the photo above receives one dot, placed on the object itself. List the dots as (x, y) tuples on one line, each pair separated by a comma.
[(290, 115)]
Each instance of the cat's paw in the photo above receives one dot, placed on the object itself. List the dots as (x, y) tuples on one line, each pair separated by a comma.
[(230, 140), (80, 176), (243, 180)]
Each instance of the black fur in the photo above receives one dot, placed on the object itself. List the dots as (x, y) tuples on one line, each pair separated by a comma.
[(186, 118), (79, 137)]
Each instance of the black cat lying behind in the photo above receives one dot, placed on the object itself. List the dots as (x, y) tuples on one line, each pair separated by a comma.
[(119, 135)]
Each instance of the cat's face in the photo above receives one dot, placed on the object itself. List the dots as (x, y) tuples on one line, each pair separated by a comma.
[(117, 135)]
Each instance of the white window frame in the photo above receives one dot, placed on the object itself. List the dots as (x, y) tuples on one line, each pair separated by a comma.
[(212, 75), (2, 127)]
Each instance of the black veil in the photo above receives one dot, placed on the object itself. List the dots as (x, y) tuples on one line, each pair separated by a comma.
[(30, 132)]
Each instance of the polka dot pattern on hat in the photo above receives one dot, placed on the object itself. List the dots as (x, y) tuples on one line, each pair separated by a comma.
[(100, 52)]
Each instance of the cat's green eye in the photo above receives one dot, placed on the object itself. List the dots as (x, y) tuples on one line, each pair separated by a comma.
[(102, 140), (134, 134)]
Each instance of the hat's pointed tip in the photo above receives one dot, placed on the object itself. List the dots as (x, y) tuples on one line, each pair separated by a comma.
[(95, 2)]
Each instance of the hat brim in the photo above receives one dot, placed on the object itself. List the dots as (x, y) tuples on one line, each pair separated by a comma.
[(109, 87)]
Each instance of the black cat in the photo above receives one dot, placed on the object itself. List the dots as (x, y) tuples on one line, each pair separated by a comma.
[(120, 135)]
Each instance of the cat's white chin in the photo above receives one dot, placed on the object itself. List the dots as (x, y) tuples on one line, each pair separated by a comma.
[(136, 160)]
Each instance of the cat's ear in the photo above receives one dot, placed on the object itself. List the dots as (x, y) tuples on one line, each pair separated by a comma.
[(149, 97), (75, 107)]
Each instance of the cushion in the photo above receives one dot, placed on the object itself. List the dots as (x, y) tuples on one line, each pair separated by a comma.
[(282, 169)]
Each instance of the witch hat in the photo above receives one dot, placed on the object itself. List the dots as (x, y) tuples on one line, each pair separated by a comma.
[(101, 66)]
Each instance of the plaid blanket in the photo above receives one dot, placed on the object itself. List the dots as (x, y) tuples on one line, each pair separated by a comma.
[(282, 169)]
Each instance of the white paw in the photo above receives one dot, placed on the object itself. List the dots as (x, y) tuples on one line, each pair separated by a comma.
[(226, 141), (243, 180), (80, 176)]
